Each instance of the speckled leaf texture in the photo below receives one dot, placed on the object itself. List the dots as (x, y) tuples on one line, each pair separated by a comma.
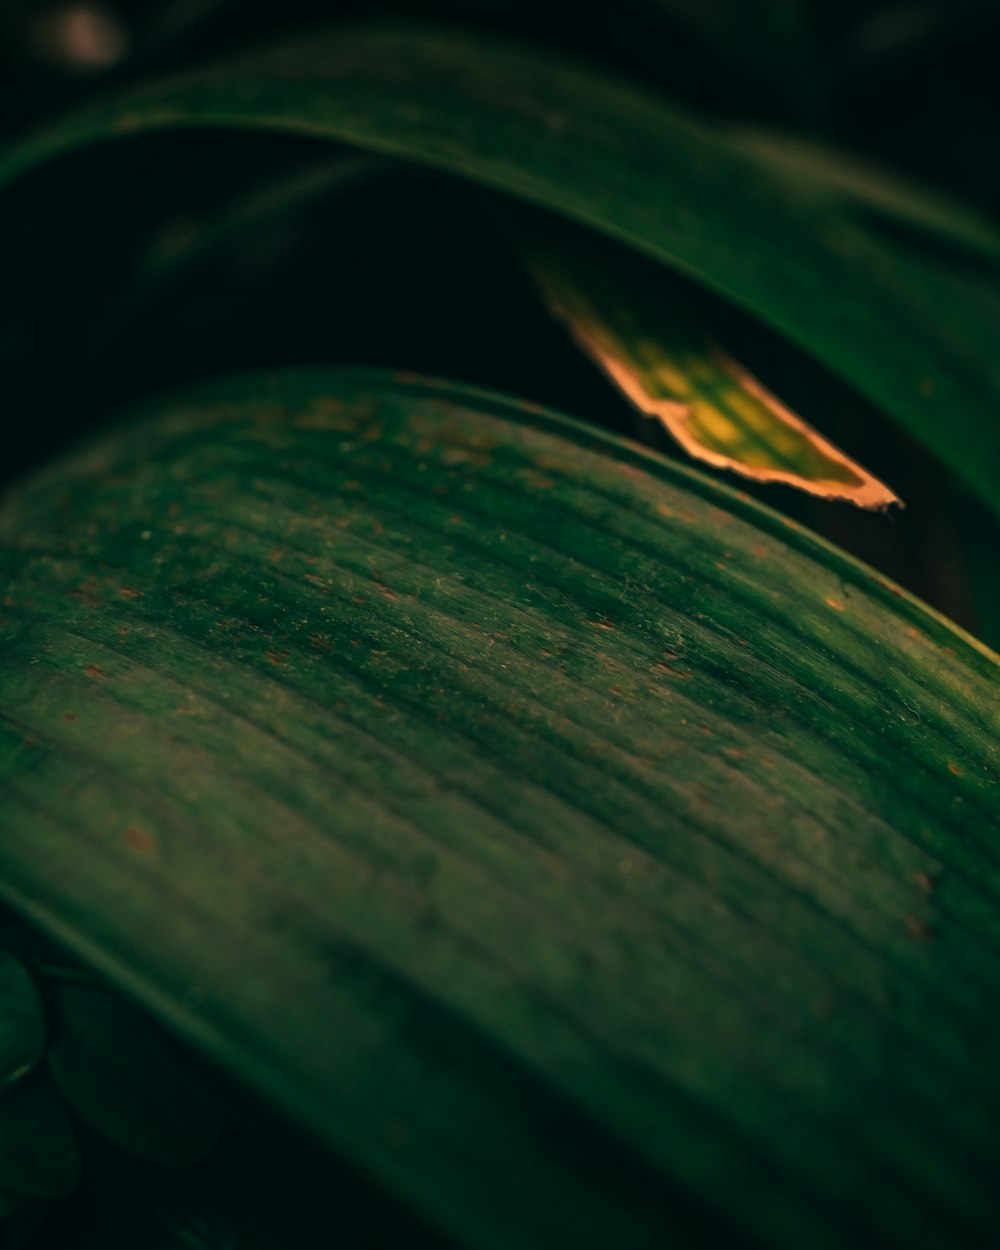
[(586, 853), (614, 156)]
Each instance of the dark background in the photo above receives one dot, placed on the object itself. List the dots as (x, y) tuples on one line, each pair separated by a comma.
[(418, 280)]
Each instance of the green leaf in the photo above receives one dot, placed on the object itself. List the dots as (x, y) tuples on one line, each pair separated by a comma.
[(842, 180), (39, 1152), (22, 1021), (575, 847), (638, 325), (40, 956), (612, 156), (119, 1075)]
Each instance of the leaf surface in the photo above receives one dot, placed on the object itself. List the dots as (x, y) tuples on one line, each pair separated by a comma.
[(639, 327), (846, 180), (574, 846), (574, 139)]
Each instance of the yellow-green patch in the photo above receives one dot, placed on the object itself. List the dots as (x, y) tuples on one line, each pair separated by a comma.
[(635, 322)]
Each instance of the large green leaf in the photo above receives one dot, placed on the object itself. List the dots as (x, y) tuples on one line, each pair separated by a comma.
[(852, 182), (585, 852), (615, 157)]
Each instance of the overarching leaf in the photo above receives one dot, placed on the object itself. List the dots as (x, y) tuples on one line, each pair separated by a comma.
[(575, 847), (612, 156), (847, 181)]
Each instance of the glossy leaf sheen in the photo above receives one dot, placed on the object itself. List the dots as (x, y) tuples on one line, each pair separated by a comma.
[(575, 846), (114, 1069), (22, 1021), (637, 325), (850, 181), (574, 139)]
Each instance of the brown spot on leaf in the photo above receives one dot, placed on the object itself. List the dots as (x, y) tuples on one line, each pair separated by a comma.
[(140, 840), (924, 881), (662, 666), (277, 657), (93, 671), (324, 414), (536, 480), (919, 929), (954, 769), (836, 604), (69, 716), (86, 592), (476, 457), (129, 592)]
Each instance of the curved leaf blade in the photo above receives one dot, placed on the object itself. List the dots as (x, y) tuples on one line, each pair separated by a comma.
[(847, 180), (605, 153), (641, 330), (573, 845)]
